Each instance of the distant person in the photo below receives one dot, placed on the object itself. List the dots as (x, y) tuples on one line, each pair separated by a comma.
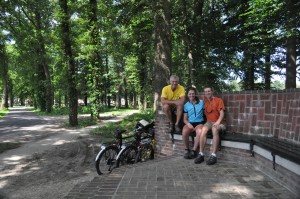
[(214, 112), (172, 99), (193, 119)]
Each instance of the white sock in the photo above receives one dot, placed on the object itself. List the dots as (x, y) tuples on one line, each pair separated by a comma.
[(213, 154), (201, 153)]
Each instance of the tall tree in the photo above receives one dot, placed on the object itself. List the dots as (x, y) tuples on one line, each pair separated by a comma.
[(292, 18), (162, 42), (96, 69), (4, 72), (70, 62)]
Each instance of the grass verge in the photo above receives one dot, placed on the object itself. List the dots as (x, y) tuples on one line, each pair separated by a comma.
[(8, 145), (3, 112), (106, 133)]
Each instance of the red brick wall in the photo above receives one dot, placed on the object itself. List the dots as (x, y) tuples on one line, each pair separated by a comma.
[(266, 113)]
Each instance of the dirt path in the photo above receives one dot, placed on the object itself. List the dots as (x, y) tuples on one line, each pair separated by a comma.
[(51, 159)]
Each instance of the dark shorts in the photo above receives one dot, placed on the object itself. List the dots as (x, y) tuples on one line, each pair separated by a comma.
[(196, 123)]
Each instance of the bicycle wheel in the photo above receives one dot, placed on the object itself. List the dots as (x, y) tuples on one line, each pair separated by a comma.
[(147, 153), (127, 156), (106, 160)]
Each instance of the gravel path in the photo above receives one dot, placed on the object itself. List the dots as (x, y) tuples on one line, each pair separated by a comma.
[(51, 159)]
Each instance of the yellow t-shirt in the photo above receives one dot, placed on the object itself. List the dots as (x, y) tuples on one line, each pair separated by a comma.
[(172, 95)]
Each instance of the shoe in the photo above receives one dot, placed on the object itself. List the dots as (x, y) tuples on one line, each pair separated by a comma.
[(189, 154), (177, 129), (199, 159), (171, 128), (212, 160)]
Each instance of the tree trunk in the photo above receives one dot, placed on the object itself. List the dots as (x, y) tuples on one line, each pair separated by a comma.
[(267, 73), (4, 75), (47, 85), (291, 67), (248, 65), (162, 59), (72, 91), (95, 60), (125, 92), (197, 51), (118, 97)]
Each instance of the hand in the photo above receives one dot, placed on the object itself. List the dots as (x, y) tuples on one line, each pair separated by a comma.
[(190, 126), (216, 125)]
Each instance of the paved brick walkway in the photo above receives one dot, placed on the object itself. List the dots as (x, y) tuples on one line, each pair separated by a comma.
[(175, 178)]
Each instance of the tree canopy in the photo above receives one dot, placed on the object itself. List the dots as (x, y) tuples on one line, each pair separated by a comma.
[(121, 53)]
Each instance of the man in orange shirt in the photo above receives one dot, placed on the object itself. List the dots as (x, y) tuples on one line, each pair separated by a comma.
[(214, 111)]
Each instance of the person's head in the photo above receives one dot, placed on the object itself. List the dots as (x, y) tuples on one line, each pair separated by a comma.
[(208, 92), (174, 81), (191, 94)]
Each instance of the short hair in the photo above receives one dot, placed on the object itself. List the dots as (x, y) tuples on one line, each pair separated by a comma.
[(211, 88), (174, 77)]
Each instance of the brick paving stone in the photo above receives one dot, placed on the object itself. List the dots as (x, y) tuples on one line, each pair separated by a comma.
[(175, 177)]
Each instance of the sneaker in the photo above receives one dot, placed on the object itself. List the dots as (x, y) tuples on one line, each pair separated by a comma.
[(171, 128), (212, 160), (177, 129), (199, 159), (189, 154)]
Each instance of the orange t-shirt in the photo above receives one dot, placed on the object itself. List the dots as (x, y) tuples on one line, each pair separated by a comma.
[(213, 108)]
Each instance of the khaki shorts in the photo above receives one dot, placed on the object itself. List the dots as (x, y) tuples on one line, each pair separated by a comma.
[(210, 124)]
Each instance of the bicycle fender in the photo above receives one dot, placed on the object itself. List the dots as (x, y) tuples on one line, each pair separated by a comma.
[(123, 147), (101, 149)]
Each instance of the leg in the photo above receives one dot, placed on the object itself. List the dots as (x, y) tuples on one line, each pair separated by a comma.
[(178, 114), (200, 157), (216, 139), (185, 136), (203, 135), (167, 111), (198, 130)]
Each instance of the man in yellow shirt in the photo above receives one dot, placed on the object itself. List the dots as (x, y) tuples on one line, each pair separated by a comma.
[(173, 97)]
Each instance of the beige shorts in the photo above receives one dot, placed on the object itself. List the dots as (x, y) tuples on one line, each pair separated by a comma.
[(210, 124)]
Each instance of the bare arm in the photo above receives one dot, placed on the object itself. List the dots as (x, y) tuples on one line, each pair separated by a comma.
[(185, 118), (178, 102), (220, 118)]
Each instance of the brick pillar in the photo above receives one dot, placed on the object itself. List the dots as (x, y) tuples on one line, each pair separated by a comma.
[(164, 146)]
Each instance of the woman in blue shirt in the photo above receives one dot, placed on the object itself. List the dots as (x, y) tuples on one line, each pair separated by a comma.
[(193, 112)]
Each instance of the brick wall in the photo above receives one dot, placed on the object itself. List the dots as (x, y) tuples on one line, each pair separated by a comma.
[(266, 113)]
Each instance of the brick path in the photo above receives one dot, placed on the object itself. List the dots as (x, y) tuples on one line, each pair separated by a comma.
[(174, 177)]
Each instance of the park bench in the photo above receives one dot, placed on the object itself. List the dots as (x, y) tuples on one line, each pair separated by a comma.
[(276, 146)]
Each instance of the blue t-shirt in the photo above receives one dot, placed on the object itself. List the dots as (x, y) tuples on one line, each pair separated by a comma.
[(194, 111)]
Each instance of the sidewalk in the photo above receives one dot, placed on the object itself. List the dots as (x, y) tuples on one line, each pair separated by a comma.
[(176, 177)]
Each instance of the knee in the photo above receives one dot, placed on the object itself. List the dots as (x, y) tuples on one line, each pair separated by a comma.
[(185, 132), (204, 131), (198, 132), (166, 108)]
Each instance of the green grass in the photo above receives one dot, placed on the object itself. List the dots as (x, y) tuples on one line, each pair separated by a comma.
[(106, 132), (3, 112), (8, 145), (81, 110), (83, 122)]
